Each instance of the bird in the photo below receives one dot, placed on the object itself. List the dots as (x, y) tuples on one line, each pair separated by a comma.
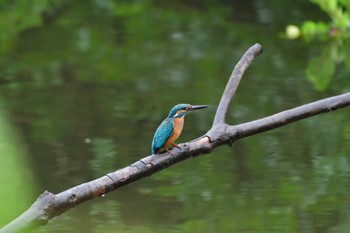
[(171, 127)]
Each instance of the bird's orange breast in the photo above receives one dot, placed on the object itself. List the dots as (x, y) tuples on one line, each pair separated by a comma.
[(178, 126)]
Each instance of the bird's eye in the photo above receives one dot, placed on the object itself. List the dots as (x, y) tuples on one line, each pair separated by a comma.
[(184, 108)]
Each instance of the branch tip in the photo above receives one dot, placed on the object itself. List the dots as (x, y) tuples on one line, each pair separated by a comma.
[(233, 82)]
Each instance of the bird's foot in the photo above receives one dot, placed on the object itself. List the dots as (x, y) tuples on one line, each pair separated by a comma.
[(174, 145), (167, 150)]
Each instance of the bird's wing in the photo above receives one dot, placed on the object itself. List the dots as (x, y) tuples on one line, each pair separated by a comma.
[(163, 132)]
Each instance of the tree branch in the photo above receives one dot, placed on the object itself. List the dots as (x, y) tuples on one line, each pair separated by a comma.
[(286, 117), (233, 82), (49, 205), (229, 134)]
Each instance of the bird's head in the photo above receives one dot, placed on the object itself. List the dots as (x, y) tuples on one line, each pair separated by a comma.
[(181, 110)]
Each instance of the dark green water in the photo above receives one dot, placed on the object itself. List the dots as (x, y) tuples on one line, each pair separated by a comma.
[(83, 92)]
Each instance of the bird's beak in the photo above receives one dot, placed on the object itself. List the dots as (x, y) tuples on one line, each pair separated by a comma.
[(196, 107)]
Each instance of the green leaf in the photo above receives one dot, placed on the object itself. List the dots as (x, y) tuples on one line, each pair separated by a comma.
[(320, 70)]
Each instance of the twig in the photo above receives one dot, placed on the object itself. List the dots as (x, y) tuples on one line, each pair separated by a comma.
[(233, 83)]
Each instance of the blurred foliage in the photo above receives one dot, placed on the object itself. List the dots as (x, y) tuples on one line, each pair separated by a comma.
[(17, 183), (321, 68), (337, 11), (19, 15)]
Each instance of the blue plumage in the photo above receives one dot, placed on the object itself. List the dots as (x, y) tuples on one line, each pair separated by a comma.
[(162, 133)]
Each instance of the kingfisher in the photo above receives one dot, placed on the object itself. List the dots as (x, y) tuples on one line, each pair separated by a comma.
[(170, 129)]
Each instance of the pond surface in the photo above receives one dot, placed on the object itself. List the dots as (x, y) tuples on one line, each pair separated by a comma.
[(83, 93)]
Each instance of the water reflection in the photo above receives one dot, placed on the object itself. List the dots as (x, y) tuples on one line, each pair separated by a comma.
[(90, 105)]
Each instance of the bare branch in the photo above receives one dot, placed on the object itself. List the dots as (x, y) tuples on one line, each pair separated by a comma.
[(229, 134), (292, 115), (233, 83), (49, 205)]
